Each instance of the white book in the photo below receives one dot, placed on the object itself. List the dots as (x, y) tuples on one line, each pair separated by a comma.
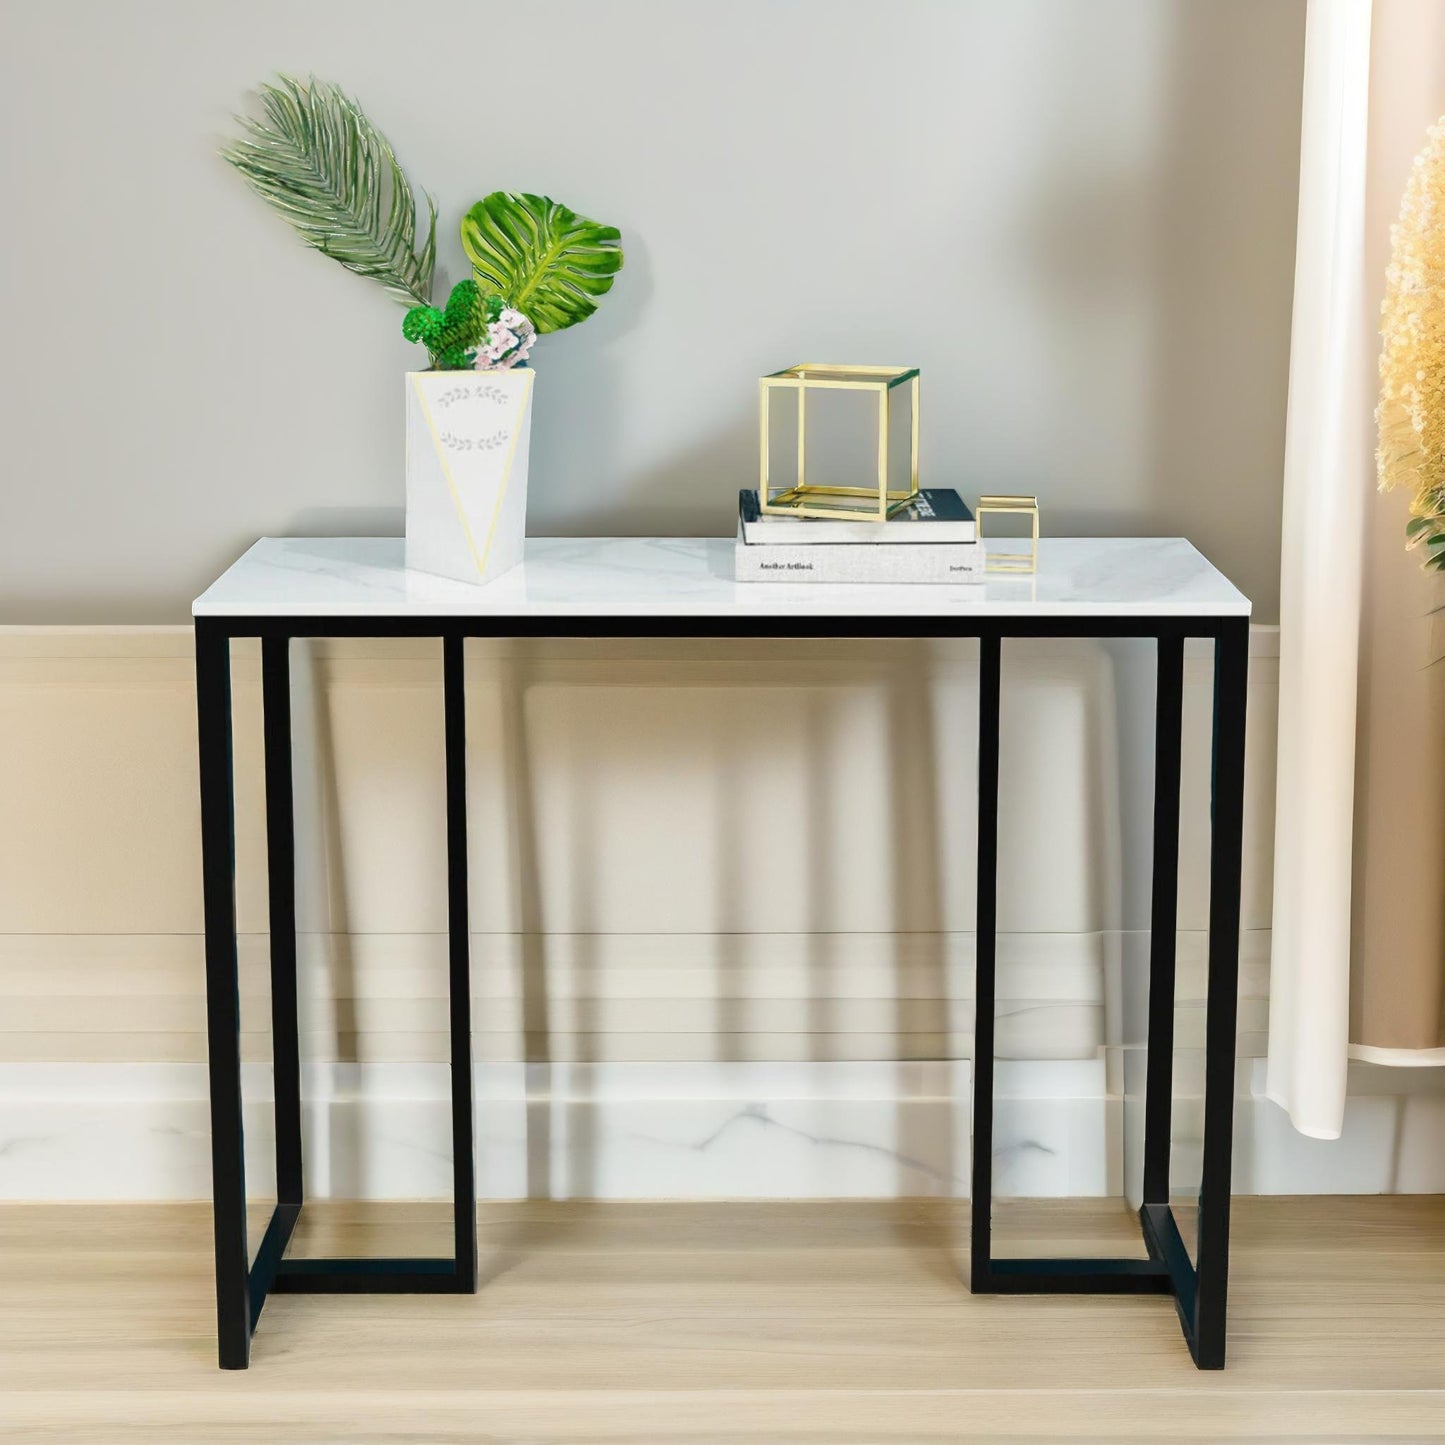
[(934, 562)]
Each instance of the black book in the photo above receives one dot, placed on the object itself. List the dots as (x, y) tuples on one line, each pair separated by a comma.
[(937, 515)]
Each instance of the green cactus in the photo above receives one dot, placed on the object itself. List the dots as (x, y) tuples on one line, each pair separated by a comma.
[(452, 336)]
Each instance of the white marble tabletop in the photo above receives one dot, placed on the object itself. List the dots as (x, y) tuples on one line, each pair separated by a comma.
[(692, 577)]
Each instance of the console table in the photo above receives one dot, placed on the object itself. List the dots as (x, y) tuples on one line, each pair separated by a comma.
[(283, 588)]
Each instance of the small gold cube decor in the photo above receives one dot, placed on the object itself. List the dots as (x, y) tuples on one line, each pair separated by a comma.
[(805, 498), (1010, 507)]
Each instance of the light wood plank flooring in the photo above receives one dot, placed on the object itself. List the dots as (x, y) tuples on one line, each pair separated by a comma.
[(676, 1324)]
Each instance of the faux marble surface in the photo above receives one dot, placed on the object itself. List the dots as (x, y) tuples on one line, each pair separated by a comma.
[(692, 577), (693, 1131), (638, 1131)]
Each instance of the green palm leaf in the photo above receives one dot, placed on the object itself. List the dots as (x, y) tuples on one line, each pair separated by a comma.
[(548, 262), (317, 160)]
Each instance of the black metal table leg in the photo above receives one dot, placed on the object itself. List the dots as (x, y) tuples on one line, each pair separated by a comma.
[(987, 1274), (223, 1000), (986, 928), (285, 1029), (281, 891), (1156, 1218), (1231, 677), (1163, 919), (464, 1187), (241, 1292), (1199, 1290), (456, 1273)]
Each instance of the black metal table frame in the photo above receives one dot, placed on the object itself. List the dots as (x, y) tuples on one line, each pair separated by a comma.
[(1199, 1289)]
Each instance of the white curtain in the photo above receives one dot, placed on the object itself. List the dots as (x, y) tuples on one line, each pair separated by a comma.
[(1374, 81), (1328, 450)]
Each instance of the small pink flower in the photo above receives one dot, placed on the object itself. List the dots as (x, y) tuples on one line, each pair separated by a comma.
[(509, 340)]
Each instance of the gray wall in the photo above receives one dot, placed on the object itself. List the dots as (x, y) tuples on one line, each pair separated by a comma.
[(1076, 217)]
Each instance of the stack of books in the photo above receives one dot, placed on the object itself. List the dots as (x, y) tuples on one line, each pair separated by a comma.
[(933, 539)]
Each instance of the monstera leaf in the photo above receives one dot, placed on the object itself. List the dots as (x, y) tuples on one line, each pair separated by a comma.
[(548, 262), (319, 162)]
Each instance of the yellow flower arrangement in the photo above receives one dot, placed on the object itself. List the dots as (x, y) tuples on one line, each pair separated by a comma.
[(1411, 413)]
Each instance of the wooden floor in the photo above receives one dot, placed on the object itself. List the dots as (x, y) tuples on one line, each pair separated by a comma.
[(674, 1324)]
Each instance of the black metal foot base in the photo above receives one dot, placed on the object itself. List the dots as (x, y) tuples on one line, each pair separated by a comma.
[(272, 1273), (372, 1276), (1166, 1271)]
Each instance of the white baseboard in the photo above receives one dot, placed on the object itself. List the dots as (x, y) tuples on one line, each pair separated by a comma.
[(677, 1131), (610, 1131)]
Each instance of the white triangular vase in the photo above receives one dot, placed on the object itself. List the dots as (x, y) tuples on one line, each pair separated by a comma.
[(467, 439)]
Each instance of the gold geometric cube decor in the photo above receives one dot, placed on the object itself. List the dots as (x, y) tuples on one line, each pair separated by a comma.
[(1015, 507), (804, 498)]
